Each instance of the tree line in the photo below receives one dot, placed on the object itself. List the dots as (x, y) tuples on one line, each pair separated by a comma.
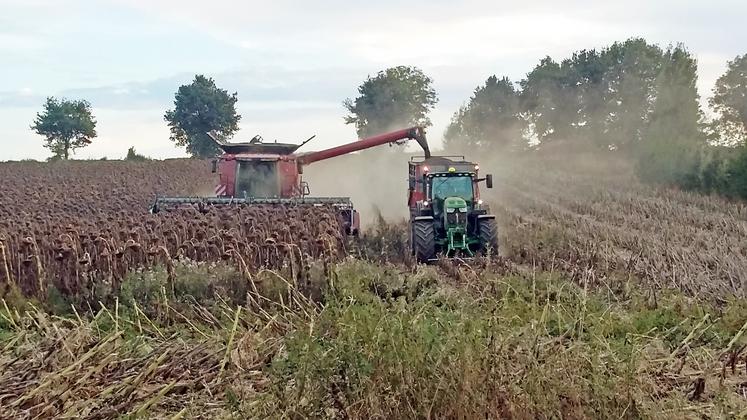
[(631, 98)]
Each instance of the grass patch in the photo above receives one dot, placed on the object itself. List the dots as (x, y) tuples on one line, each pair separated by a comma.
[(378, 341)]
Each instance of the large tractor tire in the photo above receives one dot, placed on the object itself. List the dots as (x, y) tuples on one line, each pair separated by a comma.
[(488, 233), (423, 240)]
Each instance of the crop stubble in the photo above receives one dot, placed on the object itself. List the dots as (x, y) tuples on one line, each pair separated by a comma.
[(82, 226), (592, 219)]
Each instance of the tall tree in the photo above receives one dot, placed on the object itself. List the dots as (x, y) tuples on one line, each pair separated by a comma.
[(633, 68), (490, 120), (586, 70), (550, 101), (395, 98), (673, 138), (66, 125), (199, 108), (730, 101)]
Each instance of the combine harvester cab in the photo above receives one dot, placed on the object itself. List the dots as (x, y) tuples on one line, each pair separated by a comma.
[(271, 173), (447, 216)]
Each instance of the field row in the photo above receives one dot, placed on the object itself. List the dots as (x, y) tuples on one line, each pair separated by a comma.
[(87, 225), (601, 225)]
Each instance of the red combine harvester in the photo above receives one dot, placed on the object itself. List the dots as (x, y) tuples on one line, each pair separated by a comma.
[(270, 173)]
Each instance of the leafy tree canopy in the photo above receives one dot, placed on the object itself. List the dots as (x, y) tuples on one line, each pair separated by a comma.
[(66, 125), (490, 120), (199, 108), (594, 97), (673, 139), (134, 156), (730, 101), (633, 67), (395, 98)]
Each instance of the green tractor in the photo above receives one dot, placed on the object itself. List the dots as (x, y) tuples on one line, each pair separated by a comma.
[(447, 216)]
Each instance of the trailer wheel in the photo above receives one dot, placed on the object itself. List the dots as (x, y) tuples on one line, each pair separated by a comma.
[(488, 232), (423, 240)]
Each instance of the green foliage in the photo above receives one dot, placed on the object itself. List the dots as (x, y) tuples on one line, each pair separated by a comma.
[(594, 98), (134, 156), (585, 80), (199, 108), (675, 149), (191, 282), (673, 140), (534, 346), (631, 97), (631, 80), (491, 119), (730, 102), (636, 98), (736, 174), (66, 125), (547, 100), (443, 352), (395, 98)]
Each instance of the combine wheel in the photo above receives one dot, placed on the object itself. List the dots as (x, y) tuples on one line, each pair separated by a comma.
[(423, 240), (488, 231)]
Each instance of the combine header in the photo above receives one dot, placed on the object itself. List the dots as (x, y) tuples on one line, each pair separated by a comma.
[(270, 173)]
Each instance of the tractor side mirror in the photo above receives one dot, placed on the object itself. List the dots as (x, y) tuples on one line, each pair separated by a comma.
[(305, 188), (489, 180), (214, 166)]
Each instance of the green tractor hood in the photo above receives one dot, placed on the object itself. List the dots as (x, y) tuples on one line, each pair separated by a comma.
[(455, 224), (455, 204)]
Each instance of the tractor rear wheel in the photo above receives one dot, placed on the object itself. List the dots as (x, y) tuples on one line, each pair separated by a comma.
[(488, 232), (423, 240)]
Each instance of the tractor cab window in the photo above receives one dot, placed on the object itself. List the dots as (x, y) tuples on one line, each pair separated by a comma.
[(257, 179), (452, 186)]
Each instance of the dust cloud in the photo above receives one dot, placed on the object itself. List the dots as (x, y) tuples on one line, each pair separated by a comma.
[(376, 180)]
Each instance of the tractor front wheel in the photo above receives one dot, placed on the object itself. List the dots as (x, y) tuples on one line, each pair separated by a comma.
[(488, 231), (423, 240)]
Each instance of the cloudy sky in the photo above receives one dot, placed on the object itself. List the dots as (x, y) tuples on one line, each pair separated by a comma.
[(294, 62)]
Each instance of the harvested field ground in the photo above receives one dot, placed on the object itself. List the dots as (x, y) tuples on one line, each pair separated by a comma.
[(592, 219), (610, 299)]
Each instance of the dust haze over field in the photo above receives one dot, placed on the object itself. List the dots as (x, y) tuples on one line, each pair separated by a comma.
[(376, 180)]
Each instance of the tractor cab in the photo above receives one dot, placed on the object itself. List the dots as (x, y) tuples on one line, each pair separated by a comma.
[(443, 186), (435, 179), (257, 178)]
